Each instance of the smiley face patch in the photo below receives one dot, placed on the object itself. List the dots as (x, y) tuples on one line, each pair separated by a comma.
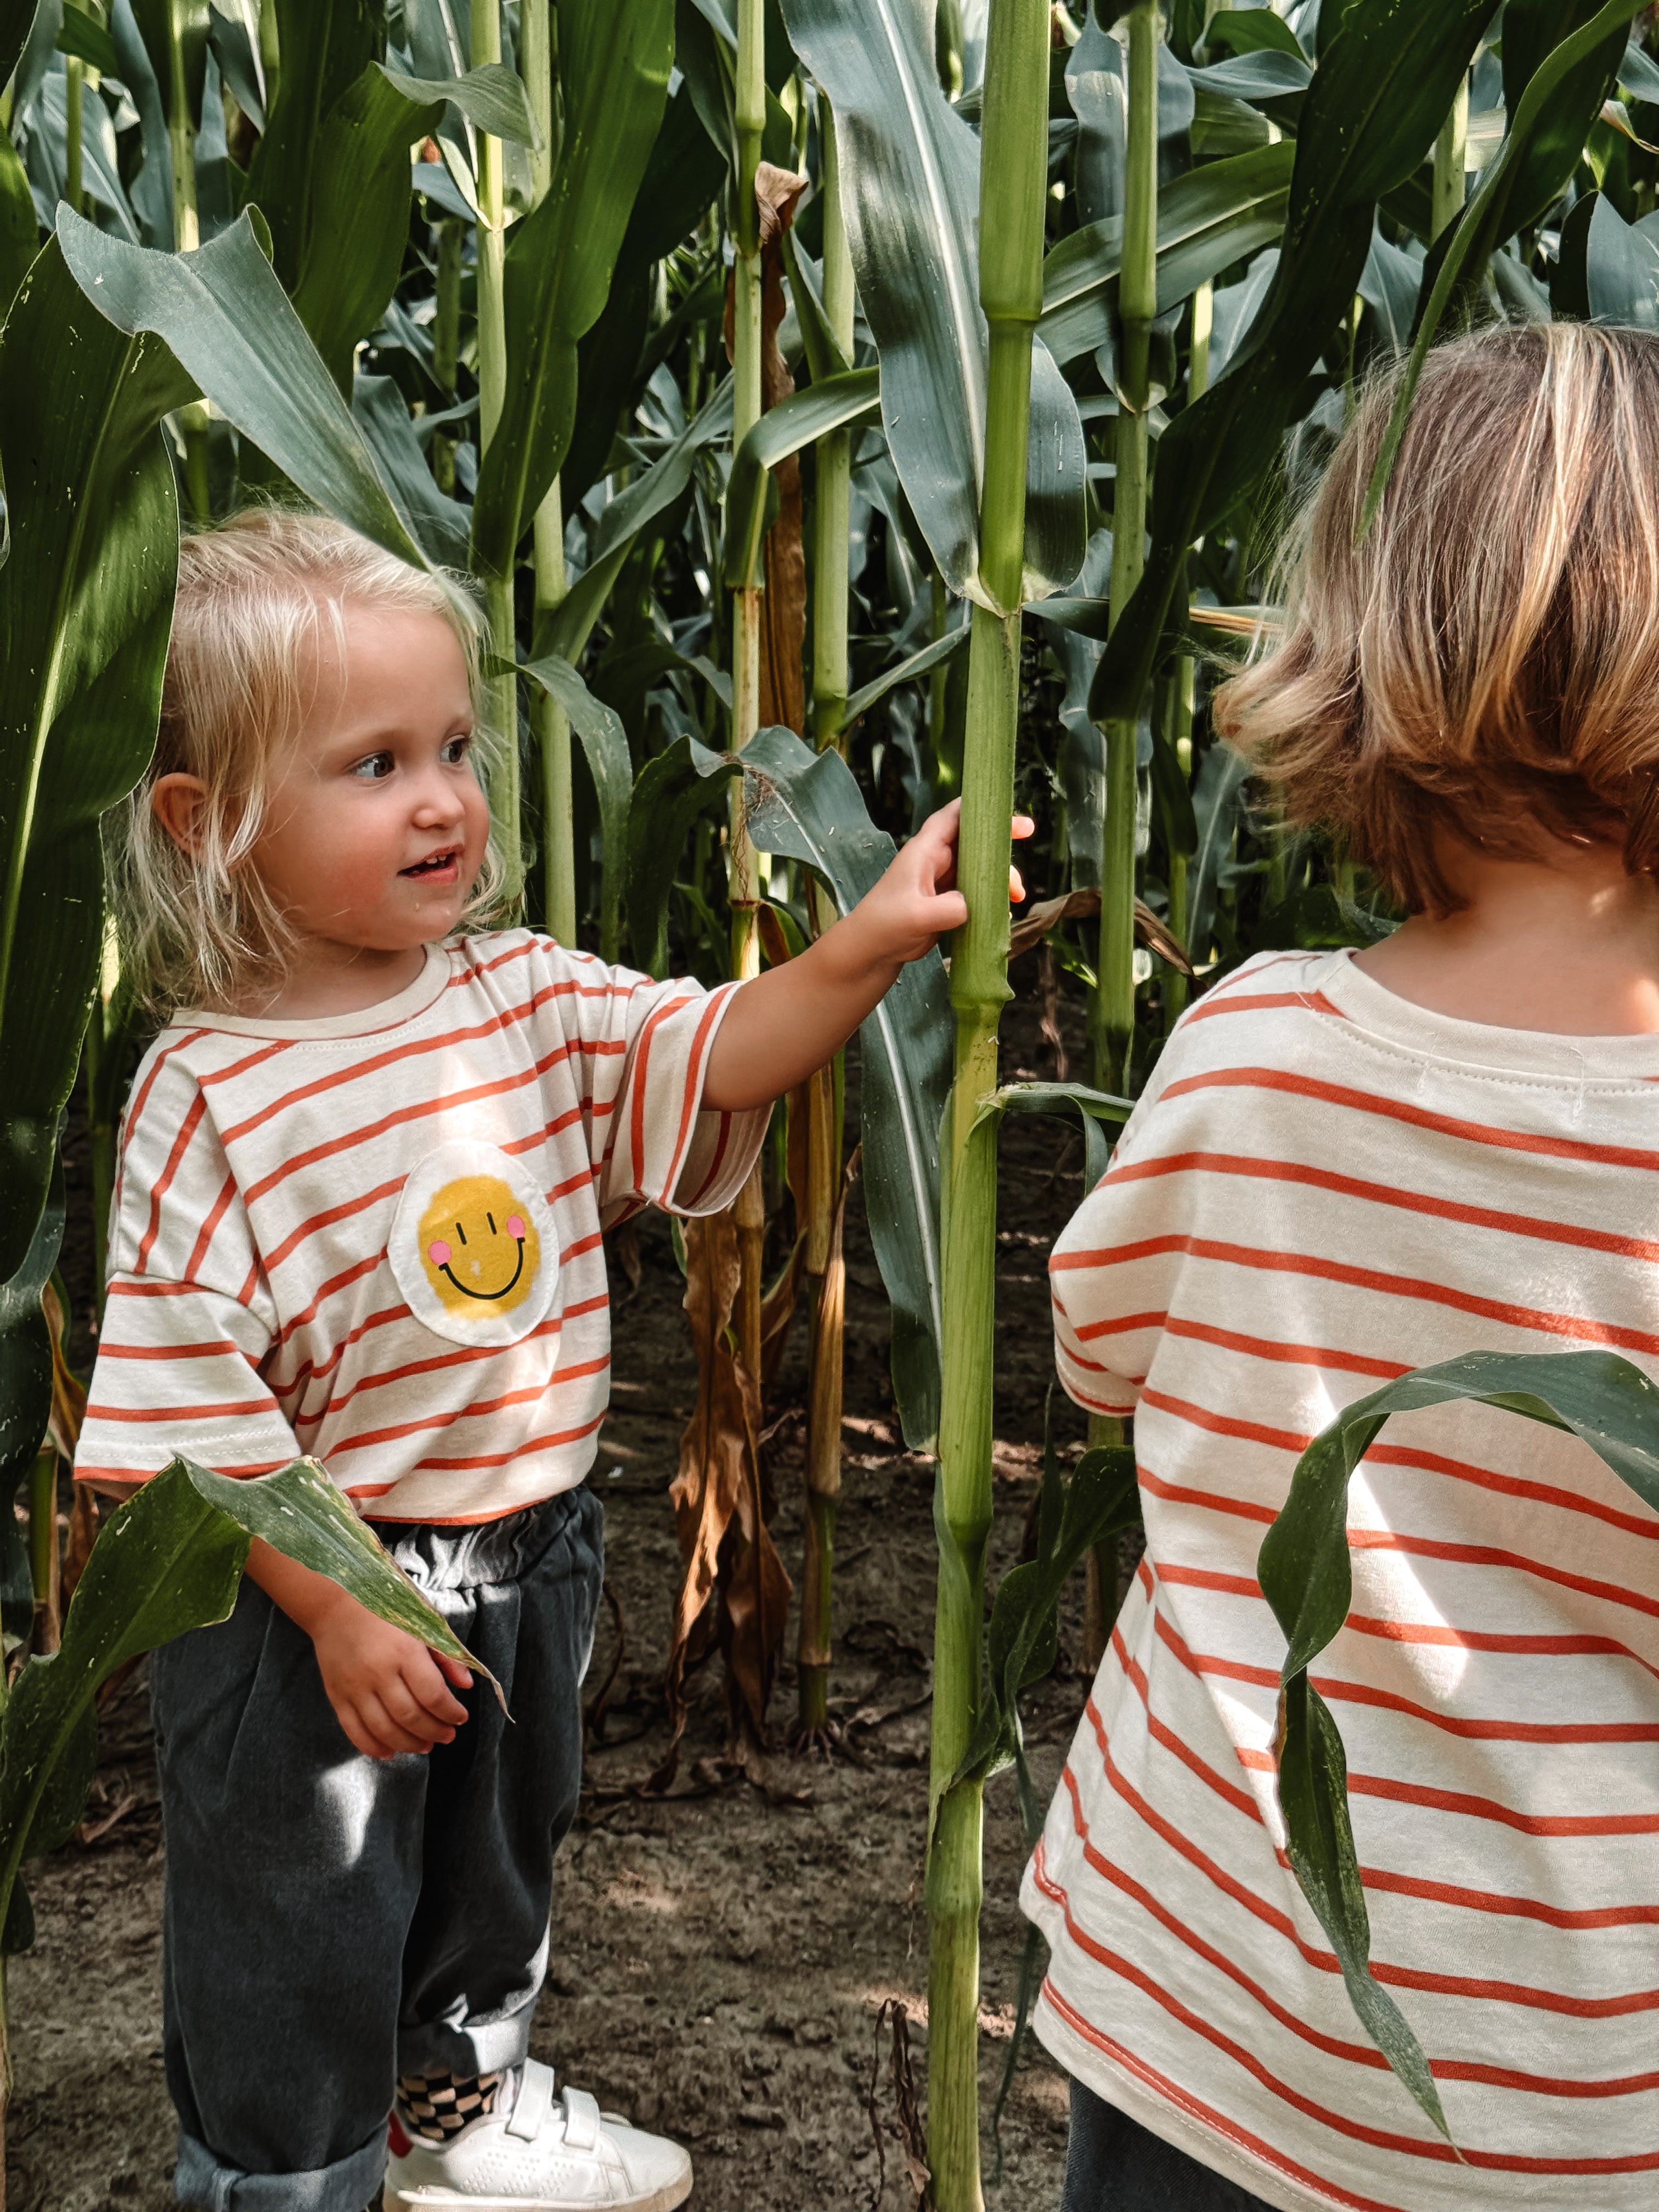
[(473, 1246)]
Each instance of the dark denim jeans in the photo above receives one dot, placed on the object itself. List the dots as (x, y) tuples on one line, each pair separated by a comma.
[(1114, 2165), (333, 1920)]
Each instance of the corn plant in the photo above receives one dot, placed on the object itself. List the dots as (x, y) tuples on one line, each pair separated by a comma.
[(1040, 469)]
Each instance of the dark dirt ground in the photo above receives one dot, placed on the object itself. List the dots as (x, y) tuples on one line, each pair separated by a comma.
[(720, 1958)]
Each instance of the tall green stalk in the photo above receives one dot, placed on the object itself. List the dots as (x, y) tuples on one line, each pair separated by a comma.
[(186, 237), (492, 394), (550, 726), (1013, 187), (824, 1265), (73, 80), (446, 343), (1450, 150), (1112, 1013), (743, 890), (832, 508), (1186, 681)]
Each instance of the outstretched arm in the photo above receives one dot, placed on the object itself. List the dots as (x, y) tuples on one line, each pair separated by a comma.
[(782, 1025)]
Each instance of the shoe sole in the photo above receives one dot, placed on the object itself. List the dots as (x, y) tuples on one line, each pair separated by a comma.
[(445, 2200)]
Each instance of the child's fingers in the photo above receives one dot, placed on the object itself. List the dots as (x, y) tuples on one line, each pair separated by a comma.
[(455, 1672), (946, 912), (1016, 887), (361, 1737), (427, 1685), (1024, 826), (379, 1722)]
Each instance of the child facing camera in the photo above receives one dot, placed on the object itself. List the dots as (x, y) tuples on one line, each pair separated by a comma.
[(1347, 1165), (366, 1172)]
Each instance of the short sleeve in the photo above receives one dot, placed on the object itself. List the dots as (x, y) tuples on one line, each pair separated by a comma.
[(646, 1047), (1115, 1265), (189, 1320)]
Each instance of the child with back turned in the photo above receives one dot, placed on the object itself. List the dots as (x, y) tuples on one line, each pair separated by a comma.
[(365, 1172), (1346, 1165)]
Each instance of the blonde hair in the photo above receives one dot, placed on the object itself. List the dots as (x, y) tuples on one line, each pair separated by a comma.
[(1487, 661), (257, 597)]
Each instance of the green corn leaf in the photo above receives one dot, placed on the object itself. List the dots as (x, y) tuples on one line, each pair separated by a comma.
[(604, 742), (86, 604), (1368, 121), (1207, 220), (1099, 1499), (614, 66), (325, 46), (1554, 136), (20, 232), (1250, 31), (235, 332), (1622, 268), (907, 671), (909, 183), (492, 97), (169, 1560), (1307, 1578), (836, 405), (807, 806), (441, 525), (673, 789), (566, 630), (80, 34), (357, 213), (1485, 220), (1090, 1107), (25, 1399), (1266, 74)]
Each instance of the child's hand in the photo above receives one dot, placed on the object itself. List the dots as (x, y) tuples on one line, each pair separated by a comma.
[(390, 1693), (916, 903), (782, 1025)]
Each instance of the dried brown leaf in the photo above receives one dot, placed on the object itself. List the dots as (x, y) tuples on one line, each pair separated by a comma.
[(735, 1588), (1038, 920)]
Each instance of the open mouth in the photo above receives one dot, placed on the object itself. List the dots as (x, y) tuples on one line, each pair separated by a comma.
[(438, 867)]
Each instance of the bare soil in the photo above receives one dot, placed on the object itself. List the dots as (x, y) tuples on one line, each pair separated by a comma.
[(720, 1957)]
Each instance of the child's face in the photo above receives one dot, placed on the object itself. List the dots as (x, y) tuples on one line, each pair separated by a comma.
[(375, 824)]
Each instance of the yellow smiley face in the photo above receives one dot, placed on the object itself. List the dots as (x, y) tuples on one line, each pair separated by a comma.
[(478, 1251)]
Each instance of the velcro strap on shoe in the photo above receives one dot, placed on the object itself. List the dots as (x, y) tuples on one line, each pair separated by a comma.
[(533, 2102), (581, 2120)]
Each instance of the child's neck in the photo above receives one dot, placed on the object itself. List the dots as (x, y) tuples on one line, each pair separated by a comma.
[(1567, 943), (325, 980)]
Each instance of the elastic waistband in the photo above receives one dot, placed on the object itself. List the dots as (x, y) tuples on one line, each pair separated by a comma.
[(442, 1555)]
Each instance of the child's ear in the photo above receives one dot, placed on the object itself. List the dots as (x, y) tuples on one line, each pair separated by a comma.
[(180, 802)]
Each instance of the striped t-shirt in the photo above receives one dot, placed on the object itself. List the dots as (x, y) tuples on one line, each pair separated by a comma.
[(1322, 1187), (378, 1238)]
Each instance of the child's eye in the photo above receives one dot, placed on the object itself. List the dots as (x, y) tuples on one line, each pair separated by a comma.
[(456, 750), (374, 768)]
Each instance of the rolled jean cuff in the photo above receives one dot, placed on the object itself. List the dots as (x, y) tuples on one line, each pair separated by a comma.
[(205, 2185), (489, 2047)]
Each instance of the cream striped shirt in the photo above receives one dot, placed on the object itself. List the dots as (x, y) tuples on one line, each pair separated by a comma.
[(1325, 1186), (378, 1238)]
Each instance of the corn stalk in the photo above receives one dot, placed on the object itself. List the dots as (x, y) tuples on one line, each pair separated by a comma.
[(824, 1266), (1013, 185), (550, 725), (743, 886), (492, 394), (1112, 1021), (186, 237), (1186, 682), (1450, 152)]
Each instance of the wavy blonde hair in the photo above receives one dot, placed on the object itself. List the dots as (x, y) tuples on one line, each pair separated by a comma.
[(1487, 662), (257, 597)]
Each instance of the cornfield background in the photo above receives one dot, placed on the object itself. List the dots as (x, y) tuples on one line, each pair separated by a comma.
[(807, 484)]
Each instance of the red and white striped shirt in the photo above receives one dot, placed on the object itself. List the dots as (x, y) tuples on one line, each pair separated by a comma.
[(1325, 1186), (378, 1238)]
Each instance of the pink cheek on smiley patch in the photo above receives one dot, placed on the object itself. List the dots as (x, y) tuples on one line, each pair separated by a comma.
[(515, 1226), (438, 1253)]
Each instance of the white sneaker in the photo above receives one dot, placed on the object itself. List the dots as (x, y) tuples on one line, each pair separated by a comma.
[(540, 2153)]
